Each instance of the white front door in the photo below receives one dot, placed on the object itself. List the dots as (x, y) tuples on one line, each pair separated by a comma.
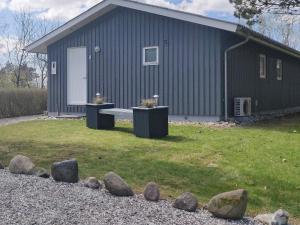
[(77, 76)]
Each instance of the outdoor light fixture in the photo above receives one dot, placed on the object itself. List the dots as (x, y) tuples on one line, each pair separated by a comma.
[(97, 49), (156, 97), (98, 94)]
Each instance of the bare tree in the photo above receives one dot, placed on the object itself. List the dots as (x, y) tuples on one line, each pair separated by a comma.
[(251, 10), (42, 27), (283, 28), (24, 30)]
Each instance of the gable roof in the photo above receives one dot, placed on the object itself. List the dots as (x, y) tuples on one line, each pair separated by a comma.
[(40, 45)]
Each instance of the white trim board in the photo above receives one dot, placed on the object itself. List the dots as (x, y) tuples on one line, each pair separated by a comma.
[(40, 46)]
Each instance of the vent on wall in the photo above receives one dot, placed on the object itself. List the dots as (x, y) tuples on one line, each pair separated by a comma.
[(242, 107)]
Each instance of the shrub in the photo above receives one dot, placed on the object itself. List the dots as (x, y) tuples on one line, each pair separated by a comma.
[(148, 103), (99, 100), (22, 102)]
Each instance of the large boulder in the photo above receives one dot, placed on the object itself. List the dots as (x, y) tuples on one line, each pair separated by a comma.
[(21, 165), (116, 185), (187, 201), (92, 183), (65, 171), (229, 205), (151, 192)]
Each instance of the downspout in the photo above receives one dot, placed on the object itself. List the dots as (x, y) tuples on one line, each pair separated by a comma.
[(226, 73)]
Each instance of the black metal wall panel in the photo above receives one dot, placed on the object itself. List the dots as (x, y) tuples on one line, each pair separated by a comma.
[(188, 77), (270, 94)]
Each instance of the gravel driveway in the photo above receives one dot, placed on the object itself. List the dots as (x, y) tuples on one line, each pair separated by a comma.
[(31, 200)]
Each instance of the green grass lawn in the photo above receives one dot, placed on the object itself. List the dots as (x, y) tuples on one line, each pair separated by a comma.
[(243, 157)]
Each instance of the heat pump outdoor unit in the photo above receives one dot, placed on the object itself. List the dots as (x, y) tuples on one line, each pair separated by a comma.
[(242, 107)]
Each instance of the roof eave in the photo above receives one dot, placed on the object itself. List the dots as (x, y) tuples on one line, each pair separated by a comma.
[(259, 38), (40, 46)]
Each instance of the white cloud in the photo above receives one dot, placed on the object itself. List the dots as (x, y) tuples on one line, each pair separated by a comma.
[(53, 9), (66, 9), (4, 42), (3, 45), (3, 4), (196, 6)]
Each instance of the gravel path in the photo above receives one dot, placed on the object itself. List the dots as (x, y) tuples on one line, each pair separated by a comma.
[(8, 121), (31, 200)]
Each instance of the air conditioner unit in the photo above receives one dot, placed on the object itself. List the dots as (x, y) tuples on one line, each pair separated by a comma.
[(242, 106)]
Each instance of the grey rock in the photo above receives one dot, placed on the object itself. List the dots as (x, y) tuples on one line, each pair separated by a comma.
[(40, 172), (1, 166), (116, 185), (280, 217), (65, 171), (151, 192), (21, 165), (187, 201), (92, 183), (265, 219), (229, 205)]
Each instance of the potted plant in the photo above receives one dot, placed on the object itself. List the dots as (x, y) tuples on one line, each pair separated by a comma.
[(96, 120), (150, 120)]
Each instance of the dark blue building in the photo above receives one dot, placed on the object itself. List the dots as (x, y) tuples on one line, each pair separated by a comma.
[(200, 67)]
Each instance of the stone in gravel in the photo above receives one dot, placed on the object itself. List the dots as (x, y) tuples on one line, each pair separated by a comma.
[(280, 217), (92, 183), (21, 165), (265, 219), (65, 171), (187, 201), (116, 185), (40, 172), (151, 192), (229, 205), (1, 166)]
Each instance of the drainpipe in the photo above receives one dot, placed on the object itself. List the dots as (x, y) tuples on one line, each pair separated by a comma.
[(226, 73)]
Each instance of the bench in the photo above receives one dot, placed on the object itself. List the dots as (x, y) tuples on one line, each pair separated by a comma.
[(147, 122), (128, 113)]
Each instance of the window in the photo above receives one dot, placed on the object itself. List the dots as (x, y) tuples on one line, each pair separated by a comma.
[(279, 69), (262, 66), (150, 56)]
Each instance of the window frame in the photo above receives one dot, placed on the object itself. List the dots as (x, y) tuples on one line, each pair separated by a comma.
[(153, 63), (262, 75), (279, 71)]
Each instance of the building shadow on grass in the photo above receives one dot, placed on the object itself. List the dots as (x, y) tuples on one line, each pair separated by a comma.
[(169, 138), (127, 130)]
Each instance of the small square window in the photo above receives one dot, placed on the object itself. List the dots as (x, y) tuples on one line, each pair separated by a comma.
[(150, 56), (279, 69), (262, 66)]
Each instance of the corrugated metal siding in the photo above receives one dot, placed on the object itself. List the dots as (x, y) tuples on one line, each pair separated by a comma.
[(271, 94), (188, 77)]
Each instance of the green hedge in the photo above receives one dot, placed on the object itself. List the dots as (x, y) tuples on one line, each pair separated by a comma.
[(22, 102)]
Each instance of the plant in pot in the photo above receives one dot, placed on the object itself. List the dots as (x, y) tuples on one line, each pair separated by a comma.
[(150, 120), (97, 120)]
